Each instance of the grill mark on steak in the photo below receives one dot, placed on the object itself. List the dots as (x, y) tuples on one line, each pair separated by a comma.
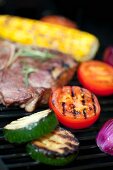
[(12, 86)]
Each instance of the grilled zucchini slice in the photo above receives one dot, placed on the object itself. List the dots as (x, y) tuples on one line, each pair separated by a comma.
[(30, 127), (58, 148)]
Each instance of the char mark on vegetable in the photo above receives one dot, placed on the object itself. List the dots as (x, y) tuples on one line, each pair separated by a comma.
[(85, 113), (66, 149), (94, 107), (72, 92), (54, 141), (83, 102), (63, 107), (82, 95), (72, 145), (74, 111), (65, 136)]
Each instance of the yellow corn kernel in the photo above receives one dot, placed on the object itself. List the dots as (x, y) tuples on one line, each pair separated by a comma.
[(80, 44)]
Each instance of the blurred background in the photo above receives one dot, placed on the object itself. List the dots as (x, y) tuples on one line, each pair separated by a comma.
[(89, 15)]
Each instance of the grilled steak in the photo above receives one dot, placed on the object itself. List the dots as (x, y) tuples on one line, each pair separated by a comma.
[(27, 74)]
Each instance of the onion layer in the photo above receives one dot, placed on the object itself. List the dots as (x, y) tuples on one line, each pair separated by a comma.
[(108, 55), (104, 138)]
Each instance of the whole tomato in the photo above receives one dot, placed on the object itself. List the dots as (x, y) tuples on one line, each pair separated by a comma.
[(59, 20)]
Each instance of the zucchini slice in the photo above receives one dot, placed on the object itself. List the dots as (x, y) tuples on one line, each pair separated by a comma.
[(58, 148), (31, 127)]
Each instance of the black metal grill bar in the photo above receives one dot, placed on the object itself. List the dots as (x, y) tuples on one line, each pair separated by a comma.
[(88, 147), (82, 165), (93, 166), (108, 109), (2, 165), (85, 138), (22, 164), (80, 158), (1, 137), (14, 155), (21, 155), (91, 156), (106, 102), (12, 115)]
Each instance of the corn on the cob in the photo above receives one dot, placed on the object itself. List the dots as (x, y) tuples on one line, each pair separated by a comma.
[(81, 45)]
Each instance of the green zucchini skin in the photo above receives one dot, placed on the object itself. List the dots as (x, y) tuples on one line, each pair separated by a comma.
[(39, 155), (32, 131)]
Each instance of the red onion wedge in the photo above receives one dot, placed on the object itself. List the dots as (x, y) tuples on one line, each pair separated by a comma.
[(108, 55), (104, 138)]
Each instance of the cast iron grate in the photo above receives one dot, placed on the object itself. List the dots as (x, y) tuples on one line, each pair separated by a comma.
[(14, 157)]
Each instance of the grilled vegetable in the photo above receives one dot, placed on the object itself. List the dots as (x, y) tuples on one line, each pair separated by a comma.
[(108, 55), (30, 127), (104, 138), (81, 45), (96, 76), (57, 148), (75, 107)]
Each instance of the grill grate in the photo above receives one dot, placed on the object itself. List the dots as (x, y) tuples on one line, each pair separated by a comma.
[(90, 157)]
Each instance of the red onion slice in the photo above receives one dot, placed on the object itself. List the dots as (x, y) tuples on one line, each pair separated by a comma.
[(104, 138)]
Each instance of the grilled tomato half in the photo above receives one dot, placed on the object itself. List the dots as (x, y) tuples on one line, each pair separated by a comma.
[(97, 77), (75, 107)]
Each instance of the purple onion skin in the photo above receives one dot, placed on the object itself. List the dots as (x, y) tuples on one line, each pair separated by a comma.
[(104, 138)]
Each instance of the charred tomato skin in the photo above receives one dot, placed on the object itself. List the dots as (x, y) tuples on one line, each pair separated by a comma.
[(80, 113)]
